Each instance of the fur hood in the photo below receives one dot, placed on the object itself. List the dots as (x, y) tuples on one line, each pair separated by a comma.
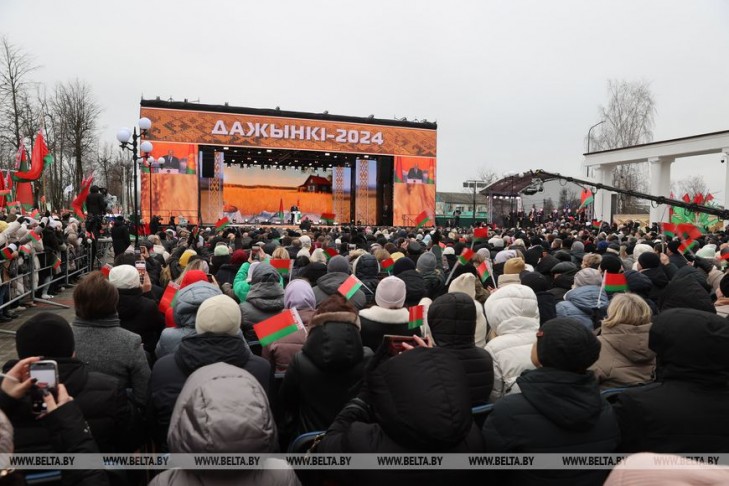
[(385, 316)]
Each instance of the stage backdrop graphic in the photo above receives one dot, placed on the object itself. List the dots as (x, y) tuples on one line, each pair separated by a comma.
[(174, 182), (414, 189)]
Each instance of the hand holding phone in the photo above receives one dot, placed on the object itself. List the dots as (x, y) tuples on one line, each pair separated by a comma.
[(396, 344), (46, 375)]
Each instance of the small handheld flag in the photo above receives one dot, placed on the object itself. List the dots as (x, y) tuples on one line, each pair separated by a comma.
[(466, 256), (57, 264), (330, 252), (421, 219), (483, 272), (34, 236), (349, 287), (615, 282), (24, 250), (669, 229), (415, 319), (328, 218), (387, 264), (222, 223), (276, 327), (585, 198), (7, 253), (168, 296), (480, 234), (282, 265)]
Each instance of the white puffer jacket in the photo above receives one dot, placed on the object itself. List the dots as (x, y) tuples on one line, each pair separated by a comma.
[(466, 283), (513, 314)]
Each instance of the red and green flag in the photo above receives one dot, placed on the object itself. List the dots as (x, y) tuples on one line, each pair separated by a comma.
[(686, 245), (24, 250), (330, 252), (415, 319), (276, 327), (34, 236), (669, 229), (387, 264), (349, 287), (282, 265), (466, 256), (80, 200), (168, 296), (7, 253), (222, 223), (690, 230), (328, 218), (483, 272), (480, 234), (421, 219), (280, 213), (35, 214), (615, 282), (586, 198), (57, 264), (39, 158)]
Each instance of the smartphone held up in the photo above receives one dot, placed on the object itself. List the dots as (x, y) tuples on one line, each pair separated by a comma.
[(46, 374)]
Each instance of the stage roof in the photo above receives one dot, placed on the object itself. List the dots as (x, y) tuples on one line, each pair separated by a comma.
[(512, 185)]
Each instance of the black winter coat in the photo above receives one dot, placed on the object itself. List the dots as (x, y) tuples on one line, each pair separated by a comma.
[(120, 238), (686, 291), (377, 321), (686, 409), (452, 322), (415, 402), (366, 270), (95, 204), (323, 376), (556, 412), (226, 273), (171, 371), (103, 403), (414, 286), (139, 314), (659, 279)]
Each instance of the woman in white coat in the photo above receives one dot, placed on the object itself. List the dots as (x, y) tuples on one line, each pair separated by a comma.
[(512, 313)]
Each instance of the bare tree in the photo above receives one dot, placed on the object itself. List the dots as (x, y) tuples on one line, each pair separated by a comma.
[(15, 69), (690, 185), (629, 119), (74, 102)]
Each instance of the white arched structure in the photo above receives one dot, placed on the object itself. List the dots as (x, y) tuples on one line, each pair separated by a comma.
[(660, 155)]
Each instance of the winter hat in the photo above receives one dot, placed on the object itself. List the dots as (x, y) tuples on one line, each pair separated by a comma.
[(514, 266), (565, 344), (45, 334), (504, 255), (220, 315), (299, 295), (640, 249), (613, 248), (563, 267), (3, 225), (704, 264), (305, 241), (602, 246), (124, 277), (577, 246), (390, 293), (673, 246), (185, 257), (415, 248), (707, 251), (649, 259), (724, 285), (449, 250), (191, 277), (338, 264), (238, 257), (402, 265), (221, 250), (611, 264), (426, 263), (588, 276), (496, 242), (535, 281)]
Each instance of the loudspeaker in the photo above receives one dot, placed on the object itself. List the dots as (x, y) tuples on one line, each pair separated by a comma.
[(208, 168)]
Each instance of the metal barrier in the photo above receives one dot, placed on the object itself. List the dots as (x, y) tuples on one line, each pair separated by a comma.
[(81, 261)]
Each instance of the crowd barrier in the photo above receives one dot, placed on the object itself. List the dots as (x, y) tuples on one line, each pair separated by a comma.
[(24, 286)]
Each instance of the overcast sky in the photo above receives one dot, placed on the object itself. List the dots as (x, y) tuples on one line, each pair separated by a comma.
[(513, 85)]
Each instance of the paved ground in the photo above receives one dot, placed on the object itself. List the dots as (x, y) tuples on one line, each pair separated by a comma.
[(7, 341)]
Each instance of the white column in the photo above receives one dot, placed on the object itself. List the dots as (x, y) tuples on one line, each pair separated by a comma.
[(660, 168), (603, 202)]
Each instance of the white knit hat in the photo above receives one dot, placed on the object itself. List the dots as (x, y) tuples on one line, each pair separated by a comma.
[(220, 315), (124, 277), (390, 293)]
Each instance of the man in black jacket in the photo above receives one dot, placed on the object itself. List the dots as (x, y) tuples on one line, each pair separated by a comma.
[(559, 409), (120, 236), (685, 410), (95, 204)]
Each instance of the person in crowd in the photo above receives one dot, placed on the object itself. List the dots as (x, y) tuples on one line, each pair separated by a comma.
[(387, 316), (102, 401), (264, 299), (216, 340), (452, 322), (64, 422), (563, 277), (432, 274), (366, 269), (187, 302), (722, 301), (404, 269), (221, 256), (137, 313), (300, 296), (674, 254), (100, 340), (223, 409), (625, 359), (685, 409), (559, 409), (227, 271), (513, 315), (547, 303), (513, 267), (119, 236), (587, 302), (337, 272), (649, 264), (467, 283), (321, 378), (687, 289), (414, 402)]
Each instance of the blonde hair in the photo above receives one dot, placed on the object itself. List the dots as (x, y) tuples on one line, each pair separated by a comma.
[(354, 254), (591, 260), (281, 253), (198, 264), (381, 254), (629, 309)]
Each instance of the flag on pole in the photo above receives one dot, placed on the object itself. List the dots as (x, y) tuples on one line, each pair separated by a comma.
[(57, 264), (282, 265), (349, 287), (24, 250), (280, 208), (483, 272), (387, 264), (328, 218), (34, 236), (276, 327), (669, 229), (79, 201), (39, 158), (35, 214), (690, 230), (222, 223), (586, 198), (7, 253), (415, 319), (330, 252), (480, 234), (615, 282), (168, 296), (421, 219), (466, 256), (686, 245)]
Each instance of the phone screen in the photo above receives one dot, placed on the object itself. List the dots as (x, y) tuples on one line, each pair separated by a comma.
[(395, 343), (46, 374)]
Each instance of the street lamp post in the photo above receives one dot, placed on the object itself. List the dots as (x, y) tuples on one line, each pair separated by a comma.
[(589, 137), (130, 141), (475, 184)]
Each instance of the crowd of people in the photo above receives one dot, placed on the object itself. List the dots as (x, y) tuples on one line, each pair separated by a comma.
[(539, 336)]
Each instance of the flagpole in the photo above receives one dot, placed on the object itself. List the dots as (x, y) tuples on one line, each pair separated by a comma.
[(491, 273), (458, 262)]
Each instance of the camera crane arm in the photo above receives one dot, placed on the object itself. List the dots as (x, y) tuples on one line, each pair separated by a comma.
[(697, 208)]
